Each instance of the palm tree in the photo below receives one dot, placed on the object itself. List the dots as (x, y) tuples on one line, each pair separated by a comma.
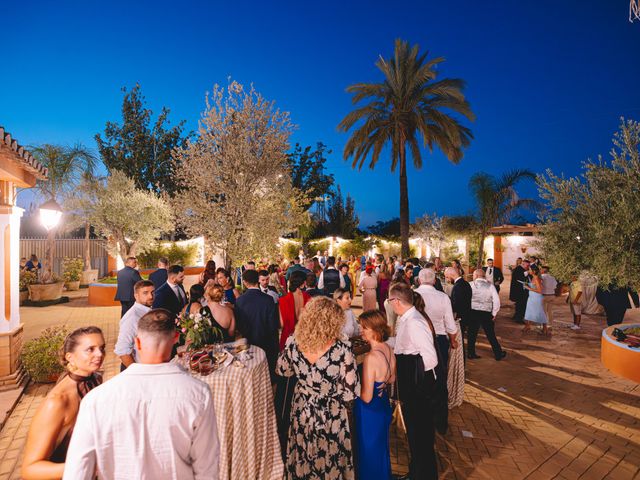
[(409, 105), (67, 166), (497, 200)]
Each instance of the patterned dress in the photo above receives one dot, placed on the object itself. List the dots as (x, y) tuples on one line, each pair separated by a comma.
[(319, 445)]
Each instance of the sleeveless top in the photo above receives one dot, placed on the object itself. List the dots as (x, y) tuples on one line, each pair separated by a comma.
[(225, 333)]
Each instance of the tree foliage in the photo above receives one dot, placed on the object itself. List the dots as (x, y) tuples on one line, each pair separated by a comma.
[(141, 150), (389, 229), (130, 218), (497, 200), (342, 218), (409, 106), (430, 228), (307, 172), (241, 198), (592, 222)]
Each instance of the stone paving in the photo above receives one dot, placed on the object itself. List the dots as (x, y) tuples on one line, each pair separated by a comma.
[(550, 410)]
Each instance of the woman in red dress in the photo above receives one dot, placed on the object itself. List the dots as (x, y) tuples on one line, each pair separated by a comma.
[(291, 305)]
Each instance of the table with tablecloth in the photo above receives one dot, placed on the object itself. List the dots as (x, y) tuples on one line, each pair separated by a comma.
[(245, 414)]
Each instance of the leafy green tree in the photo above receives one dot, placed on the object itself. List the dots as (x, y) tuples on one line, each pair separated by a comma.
[(497, 200), (408, 106), (430, 229), (343, 220), (80, 208), (131, 218), (67, 166), (592, 221), (141, 150), (307, 172)]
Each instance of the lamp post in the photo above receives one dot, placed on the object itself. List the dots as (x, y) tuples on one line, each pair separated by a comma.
[(50, 215)]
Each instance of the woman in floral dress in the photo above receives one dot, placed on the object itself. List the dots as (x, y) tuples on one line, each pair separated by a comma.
[(319, 445)]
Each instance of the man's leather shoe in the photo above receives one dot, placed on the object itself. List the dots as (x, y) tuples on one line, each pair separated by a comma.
[(501, 356), (473, 356)]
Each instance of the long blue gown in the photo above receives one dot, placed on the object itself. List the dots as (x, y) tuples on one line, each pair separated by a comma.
[(372, 421), (535, 308)]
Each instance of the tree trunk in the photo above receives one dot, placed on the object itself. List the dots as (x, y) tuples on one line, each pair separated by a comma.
[(483, 234), (47, 267), (404, 204), (87, 246)]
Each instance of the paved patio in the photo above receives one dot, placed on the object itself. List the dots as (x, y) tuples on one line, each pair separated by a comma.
[(549, 410)]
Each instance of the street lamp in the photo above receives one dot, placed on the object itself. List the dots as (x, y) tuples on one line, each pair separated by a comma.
[(50, 214)]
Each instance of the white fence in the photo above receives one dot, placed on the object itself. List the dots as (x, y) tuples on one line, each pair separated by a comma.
[(67, 247)]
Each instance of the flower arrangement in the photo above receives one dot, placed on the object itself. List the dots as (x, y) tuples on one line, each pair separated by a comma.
[(27, 277), (197, 330)]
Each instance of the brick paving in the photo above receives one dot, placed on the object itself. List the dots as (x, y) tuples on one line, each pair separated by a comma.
[(550, 410)]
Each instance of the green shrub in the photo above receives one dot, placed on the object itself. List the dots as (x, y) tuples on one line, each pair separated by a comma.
[(27, 278), (290, 250), (40, 356), (177, 255), (322, 245), (72, 269)]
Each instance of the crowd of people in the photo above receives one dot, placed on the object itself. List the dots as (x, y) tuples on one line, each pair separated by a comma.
[(419, 319)]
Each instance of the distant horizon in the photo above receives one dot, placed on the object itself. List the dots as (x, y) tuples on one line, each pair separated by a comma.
[(548, 84)]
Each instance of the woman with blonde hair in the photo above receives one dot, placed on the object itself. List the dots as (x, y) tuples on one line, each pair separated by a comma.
[(82, 355), (372, 411), (221, 314), (319, 445)]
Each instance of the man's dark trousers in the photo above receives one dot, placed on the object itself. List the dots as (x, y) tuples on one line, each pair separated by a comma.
[(421, 432), (484, 320)]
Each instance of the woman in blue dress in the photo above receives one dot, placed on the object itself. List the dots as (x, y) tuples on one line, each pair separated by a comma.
[(372, 411), (535, 308), (223, 278)]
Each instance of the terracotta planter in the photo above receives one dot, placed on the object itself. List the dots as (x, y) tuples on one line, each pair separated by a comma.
[(72, 285), (89, 276), (43, 292), (24, 296)]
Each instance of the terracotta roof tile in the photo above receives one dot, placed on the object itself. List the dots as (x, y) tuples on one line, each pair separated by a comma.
[(27, 160)]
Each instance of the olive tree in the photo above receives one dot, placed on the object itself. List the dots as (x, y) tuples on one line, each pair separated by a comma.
[(592, 222)]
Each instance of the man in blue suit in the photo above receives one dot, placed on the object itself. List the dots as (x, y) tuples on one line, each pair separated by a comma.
[(127, 278), (171, 295), (258, 319), (159, 277)]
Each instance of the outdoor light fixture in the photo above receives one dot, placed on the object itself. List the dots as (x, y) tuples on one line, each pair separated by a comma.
[(50, 214)]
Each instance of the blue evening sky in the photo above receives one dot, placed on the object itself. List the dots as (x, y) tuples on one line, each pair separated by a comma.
[(548, 80)]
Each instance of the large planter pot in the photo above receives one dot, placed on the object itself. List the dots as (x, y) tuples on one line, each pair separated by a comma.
[(102, 294), (44, 292), (619, 357), (72, 285), (24, 296), (89, 276)]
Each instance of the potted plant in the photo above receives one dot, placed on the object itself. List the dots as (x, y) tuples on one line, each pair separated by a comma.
[(48, 291), (40, 356), (71, 272), (27, 277)]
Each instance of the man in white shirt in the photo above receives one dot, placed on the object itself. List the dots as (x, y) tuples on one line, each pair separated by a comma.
[(416, 387), (485, 304), (549, 284), (126, 345), (438, 306), (330, 279), (153, 421)]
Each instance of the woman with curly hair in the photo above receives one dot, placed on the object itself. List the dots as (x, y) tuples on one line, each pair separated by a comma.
[(82, 355), (319, 445)]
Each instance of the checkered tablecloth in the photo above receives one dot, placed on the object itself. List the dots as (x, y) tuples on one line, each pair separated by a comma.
[(245, 413)]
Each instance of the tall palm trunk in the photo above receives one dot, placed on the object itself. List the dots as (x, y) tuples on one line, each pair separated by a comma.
[(483, 235), (87, 246), (404, 203)]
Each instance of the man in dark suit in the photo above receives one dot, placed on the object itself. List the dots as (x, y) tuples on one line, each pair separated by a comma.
[(160, 275), (257, 318), (493, 274), (171, 295), (127, 278), (460, 299), (517, 292)]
